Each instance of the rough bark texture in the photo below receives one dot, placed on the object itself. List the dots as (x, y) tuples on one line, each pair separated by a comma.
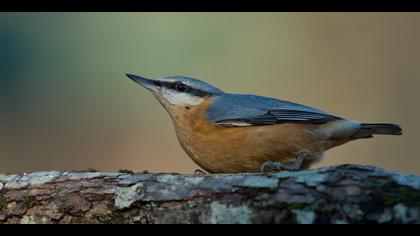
[(342, 194)]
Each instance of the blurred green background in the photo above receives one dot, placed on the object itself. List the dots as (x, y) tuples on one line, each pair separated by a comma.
[(66, 104)]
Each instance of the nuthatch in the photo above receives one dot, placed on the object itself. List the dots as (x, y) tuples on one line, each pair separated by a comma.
[(230, 133)]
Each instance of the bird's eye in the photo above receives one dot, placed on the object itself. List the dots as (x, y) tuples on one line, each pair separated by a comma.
[(181, 87)]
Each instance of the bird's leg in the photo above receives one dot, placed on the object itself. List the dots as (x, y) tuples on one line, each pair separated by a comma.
[(199, 172), (281, 166)]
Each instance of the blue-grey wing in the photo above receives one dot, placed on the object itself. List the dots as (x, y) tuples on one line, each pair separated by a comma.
[(247, 110)]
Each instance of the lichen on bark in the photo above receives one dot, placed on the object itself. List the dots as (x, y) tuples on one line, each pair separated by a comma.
[(341, 194)]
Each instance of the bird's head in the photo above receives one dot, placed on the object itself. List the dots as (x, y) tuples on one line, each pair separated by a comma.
[(178, 91)]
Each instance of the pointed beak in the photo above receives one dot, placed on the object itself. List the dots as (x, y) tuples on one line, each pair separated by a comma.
[(147, 83)]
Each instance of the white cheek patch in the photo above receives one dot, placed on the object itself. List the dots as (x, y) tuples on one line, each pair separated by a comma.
[(178, 98)]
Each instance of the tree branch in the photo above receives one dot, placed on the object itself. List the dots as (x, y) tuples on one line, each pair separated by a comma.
[(341, 194)]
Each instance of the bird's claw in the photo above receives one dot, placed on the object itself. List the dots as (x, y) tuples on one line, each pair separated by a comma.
[(199, 172), (281, 166)]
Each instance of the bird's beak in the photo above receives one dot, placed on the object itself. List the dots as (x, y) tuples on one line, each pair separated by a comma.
[(147, 83)]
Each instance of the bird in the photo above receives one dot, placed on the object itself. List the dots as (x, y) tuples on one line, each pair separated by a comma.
[(245, 133)]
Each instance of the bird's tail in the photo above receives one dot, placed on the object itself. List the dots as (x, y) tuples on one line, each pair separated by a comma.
[(388, 129)]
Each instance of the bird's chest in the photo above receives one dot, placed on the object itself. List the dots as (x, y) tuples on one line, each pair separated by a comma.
[(195, 134)]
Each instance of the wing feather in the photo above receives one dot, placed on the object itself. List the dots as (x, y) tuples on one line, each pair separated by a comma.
[(248, 110)]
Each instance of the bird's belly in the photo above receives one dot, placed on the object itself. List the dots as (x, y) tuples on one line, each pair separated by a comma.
[(244, 149)]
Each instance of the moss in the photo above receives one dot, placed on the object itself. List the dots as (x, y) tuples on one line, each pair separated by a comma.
[(287, 220), (297, 206), (325, 208), (81, 221), (152, 206), (65, 209), (126, 171), (102, 218), (115, 210), (30, 202), (390, 194), (394, 193), (3, 203), (328, 207), (117, 216)]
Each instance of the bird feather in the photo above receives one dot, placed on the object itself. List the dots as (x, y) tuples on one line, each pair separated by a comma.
[(233, 109)]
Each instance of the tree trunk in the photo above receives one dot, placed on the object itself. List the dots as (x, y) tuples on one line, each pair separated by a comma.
[(341, 194)]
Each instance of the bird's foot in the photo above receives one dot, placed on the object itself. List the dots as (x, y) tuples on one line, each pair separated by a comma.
[(281, 166), (199, 172)]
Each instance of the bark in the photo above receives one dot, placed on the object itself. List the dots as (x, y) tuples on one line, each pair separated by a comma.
[(341, 194)]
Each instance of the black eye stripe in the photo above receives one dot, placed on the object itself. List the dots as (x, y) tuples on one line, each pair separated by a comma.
[(181, 87), (188, 89), (157, 83)]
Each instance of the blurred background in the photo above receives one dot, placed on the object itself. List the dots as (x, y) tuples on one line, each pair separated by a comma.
[(66, 104)]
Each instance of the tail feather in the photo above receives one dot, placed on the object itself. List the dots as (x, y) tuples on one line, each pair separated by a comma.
[(389, 129)]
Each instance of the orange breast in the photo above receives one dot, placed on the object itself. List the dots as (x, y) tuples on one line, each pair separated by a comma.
[(242, 149)]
